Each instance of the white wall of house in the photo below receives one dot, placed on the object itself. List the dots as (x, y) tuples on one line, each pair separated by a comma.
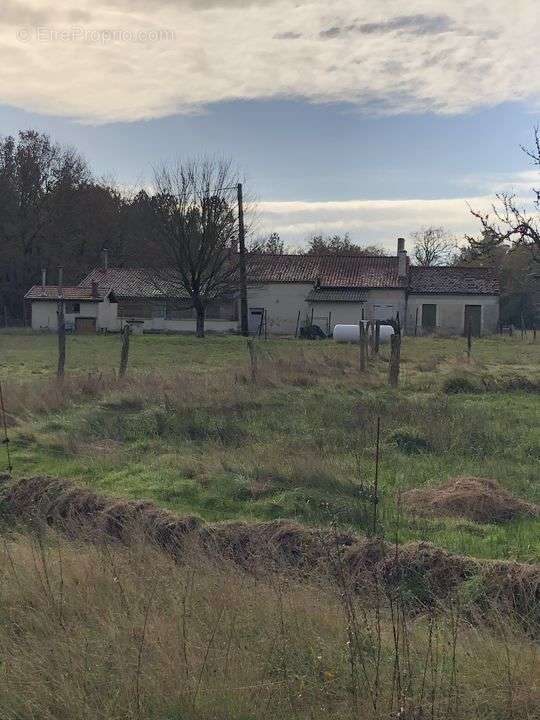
[(44, 314), (379, 305), (282, 302), (180, 326), (450, 317)]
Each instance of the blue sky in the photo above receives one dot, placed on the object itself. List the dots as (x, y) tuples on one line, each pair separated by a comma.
[(351, 118)]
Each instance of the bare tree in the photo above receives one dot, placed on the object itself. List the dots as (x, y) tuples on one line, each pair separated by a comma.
[(433, 246), (197, 230), (510, 222), (270, 245)]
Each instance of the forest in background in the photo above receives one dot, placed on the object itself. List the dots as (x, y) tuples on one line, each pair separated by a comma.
[(55, 212)]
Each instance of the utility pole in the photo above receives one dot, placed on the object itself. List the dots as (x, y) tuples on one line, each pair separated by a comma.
[(61, 323), (242, 264)]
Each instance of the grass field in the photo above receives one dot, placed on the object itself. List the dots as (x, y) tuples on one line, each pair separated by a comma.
[(90, 631), (189, 429)]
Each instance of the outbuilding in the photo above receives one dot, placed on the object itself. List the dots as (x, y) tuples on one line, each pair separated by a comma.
[(285, 293)]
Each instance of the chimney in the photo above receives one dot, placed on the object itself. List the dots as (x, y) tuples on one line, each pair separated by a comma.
[(60, 280), (94, 290), (402, 258), (43, 278), (105, 259)]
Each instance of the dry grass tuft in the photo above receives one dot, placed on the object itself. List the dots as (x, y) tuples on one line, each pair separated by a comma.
[(124, 633), (477, 499), (422, 573)]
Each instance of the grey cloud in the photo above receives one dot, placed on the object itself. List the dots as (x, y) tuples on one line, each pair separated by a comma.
[(287, 36), (16, 13), (332, 32), (13, 12), (414, 24), (79, 16), (192, 4)]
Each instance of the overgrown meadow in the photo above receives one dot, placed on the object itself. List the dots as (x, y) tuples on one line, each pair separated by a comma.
[(194, 429)]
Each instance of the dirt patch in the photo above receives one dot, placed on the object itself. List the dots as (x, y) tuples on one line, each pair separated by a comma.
[(477, 499)]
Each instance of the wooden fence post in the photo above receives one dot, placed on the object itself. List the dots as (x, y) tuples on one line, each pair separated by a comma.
[(124, 357), (469, 340), (297, 324), (61, 330), (253, 359), (363, 346), (395, 356), (377, 339), (5, 441), (416, 323)]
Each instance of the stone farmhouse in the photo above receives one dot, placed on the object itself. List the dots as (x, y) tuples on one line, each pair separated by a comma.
[(285, 292)]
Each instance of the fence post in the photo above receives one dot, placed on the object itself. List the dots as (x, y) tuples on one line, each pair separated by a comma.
[(395, 357), (124, 357), (416, 323), (253, 359), (377, 340), (297, 324), (61, 330), (469, 340), (363, 346), (5, 441)]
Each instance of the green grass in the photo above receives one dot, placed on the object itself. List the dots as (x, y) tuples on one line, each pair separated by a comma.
[(190, 431)]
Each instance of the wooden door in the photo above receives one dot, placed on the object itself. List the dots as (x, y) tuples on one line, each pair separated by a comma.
[(85, 325), (429, 318), (473, 316)]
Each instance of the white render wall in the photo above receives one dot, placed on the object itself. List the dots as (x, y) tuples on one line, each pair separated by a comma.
[(379, 305), (451, 312), (44, 314), (282, 302)]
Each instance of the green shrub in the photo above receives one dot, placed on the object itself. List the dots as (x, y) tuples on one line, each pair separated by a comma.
[(410, 441), (462, 384)]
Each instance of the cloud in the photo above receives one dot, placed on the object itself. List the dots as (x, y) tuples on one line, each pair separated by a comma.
[(416, 24), (368, 221), (289, 35), (131, 59)]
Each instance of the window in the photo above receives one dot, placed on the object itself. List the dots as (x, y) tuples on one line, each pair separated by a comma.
[(429, 318), (159, 311), (226, 310), (135, 309), (179, 311), (72, 308)]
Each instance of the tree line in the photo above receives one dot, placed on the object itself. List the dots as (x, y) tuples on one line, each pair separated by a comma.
[(55, 212)]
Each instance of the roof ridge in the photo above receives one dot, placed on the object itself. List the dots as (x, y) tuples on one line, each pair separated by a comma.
[(319, 255)]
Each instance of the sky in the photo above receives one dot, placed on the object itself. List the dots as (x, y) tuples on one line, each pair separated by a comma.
[(372, 118)]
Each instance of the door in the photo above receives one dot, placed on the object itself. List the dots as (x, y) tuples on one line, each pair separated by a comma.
[(473, 316), (85, 325), (255, 320), (385, 312), (429, 318)]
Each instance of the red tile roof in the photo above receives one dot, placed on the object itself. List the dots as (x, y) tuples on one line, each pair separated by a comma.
[(351, 271), (354, 272), (454, 280), (51, 292), (324, 295), (133, 283)]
